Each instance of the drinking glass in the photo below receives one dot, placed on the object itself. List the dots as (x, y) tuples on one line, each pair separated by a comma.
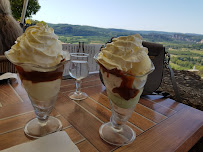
[(42, 86), (124, 92), (78, 70)]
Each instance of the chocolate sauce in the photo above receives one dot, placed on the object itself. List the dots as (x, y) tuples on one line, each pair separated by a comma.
[(36, 76), (125, 90)]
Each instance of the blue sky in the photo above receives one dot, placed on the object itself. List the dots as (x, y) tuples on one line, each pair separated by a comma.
[(185, 16)]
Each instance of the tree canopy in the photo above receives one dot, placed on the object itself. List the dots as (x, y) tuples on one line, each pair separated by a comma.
[(17, 7)]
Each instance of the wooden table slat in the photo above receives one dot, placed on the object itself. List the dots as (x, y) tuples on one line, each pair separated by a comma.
[(149, 113), (170, 104), (167, 102), (7, 95), (72, 81), (141, 121), (74, 135), (12, 138), (85, 146), (85, 84), (15, 122), (15, 109), (157, 107)]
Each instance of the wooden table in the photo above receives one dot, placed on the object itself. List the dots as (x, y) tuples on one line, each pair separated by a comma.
[(161, 124)]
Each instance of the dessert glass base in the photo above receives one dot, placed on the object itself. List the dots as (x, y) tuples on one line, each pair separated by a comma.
[(36, 129), (115, 136), (116, 132), (78, 96)]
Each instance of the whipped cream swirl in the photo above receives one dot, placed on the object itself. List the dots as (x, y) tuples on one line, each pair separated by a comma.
[(127, 54), (39, 46)]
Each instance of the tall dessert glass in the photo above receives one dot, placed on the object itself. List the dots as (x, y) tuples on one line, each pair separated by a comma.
[(78, 70), (124, 92), (39, 59), (42, 86)]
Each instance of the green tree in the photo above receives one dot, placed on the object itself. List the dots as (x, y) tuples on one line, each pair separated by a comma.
[(17, 7)]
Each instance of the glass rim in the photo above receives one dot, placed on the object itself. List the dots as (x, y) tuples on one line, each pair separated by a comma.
[(128, 74), (79, 54), (36, 65)]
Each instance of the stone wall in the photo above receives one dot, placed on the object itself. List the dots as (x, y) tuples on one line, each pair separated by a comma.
[(190, 87)]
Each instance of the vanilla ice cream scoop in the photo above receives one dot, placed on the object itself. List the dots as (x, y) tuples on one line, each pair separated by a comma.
[(38, 46), (127, 54)]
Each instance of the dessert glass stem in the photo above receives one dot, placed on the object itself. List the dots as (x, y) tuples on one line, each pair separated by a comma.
[(119, 116), (42, 115), (78, 86), (42, 122)]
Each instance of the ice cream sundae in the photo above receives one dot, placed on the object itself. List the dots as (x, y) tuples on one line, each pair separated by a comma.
[(39, 60), (124, 65)]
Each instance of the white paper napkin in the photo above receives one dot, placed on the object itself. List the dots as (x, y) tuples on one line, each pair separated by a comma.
[(56, 142), (8, 75)]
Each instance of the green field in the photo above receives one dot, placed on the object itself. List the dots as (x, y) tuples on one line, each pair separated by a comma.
[(186, 58), (177, 67)]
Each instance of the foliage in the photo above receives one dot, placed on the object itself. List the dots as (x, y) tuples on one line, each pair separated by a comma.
[(33, 22), (86, 39), (17, 7), (28, 21), (200, 68), (187, 61), (185, 53), (177, 67)]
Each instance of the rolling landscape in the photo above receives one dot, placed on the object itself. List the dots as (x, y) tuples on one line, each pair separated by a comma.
[(186, 49)]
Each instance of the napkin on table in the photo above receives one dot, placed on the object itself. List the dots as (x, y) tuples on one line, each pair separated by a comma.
[(56, 142), (8, 75)]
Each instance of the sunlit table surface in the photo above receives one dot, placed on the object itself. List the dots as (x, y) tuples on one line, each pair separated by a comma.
[(161, 124)]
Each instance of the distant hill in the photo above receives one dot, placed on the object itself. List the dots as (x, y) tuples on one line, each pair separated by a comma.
[(152, 36)]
